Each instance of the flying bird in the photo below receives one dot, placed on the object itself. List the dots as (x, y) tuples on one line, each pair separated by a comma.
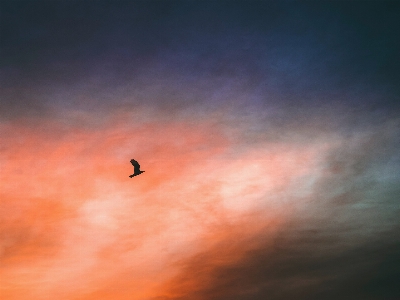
[(136, 167)]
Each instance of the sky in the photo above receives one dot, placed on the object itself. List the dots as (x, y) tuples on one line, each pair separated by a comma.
[(269, 133)]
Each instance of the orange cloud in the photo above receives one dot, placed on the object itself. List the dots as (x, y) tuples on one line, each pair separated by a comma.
[(76, 227)]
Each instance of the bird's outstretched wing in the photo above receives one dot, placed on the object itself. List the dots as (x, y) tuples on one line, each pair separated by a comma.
[(136, 166)]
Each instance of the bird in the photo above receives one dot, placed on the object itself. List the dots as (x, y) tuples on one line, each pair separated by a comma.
[(136, 167)]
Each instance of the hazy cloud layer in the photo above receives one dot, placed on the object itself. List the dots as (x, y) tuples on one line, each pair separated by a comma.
[(269, 133)]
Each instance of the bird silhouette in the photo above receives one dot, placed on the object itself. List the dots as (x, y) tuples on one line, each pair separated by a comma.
[(136, 167)]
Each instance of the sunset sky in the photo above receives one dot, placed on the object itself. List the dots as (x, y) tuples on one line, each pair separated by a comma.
[(269, 133)]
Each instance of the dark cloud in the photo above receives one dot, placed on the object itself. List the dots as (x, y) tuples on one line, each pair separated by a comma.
[(301, 264), (288, 53)]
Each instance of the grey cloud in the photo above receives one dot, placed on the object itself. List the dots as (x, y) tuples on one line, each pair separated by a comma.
[(302, 264), (57, 55)]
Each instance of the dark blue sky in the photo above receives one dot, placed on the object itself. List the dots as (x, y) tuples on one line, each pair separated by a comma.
[(308, 48)]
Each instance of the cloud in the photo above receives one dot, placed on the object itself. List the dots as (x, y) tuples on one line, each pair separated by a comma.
[(202, 56), (338, 241), (306, 264), (293, 210), (268, 133)]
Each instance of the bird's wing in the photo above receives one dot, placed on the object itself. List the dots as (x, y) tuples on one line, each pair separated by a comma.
[(136, 166), (135, 163)]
